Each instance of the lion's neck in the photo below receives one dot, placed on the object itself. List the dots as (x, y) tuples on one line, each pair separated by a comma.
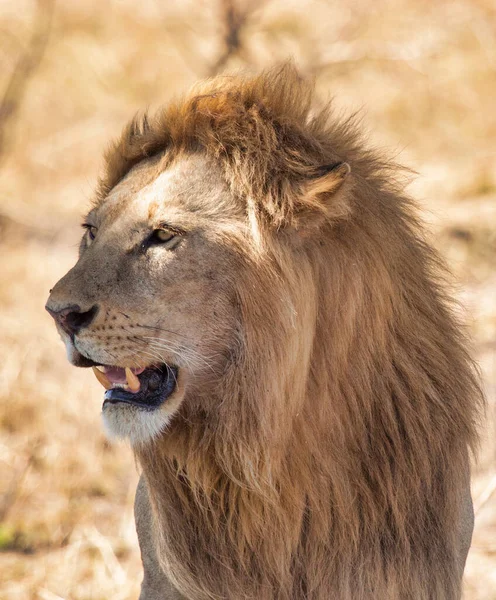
[(226, 527), (211, 518)]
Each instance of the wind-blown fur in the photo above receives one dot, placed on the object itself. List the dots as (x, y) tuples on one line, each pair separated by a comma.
[(329, 461)]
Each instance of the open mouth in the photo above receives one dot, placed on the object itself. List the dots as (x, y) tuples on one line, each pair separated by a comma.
[(145, 388)]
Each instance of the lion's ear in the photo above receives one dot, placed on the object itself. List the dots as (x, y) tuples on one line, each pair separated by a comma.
[(324, 196)]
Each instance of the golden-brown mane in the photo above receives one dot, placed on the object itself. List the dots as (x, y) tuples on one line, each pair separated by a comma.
[(330, 460), (263, 133)]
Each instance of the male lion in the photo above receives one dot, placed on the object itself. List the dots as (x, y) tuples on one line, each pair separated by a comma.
[(255, 294)]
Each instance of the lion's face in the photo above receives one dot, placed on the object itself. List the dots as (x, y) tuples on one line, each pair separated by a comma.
[(150, 303)]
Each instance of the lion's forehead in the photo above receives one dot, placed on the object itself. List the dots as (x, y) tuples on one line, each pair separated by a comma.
[(190, 190)]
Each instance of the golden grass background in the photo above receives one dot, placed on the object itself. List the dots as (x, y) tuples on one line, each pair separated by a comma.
[(424, 75)]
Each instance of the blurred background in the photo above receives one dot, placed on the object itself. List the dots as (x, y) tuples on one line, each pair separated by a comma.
[(422, 74)]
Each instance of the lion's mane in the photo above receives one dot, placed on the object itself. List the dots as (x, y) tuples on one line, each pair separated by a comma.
[(328, 461)]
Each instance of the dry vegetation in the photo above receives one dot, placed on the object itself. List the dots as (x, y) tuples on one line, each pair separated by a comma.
[(424, 73)]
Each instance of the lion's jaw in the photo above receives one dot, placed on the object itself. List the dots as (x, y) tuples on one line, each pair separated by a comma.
[(165, 311)]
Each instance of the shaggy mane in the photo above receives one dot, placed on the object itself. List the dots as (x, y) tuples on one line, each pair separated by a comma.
[(265, 133), (330, 460)]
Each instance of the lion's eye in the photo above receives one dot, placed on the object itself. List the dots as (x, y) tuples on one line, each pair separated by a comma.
[(162, 236), (91, 229)]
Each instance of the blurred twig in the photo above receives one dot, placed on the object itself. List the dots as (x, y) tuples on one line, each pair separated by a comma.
[(234, 18), (26, 65)]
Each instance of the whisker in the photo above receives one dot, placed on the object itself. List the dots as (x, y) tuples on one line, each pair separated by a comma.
[(170, 371), (180, 353), (155, 356), (183, 353), (151, 353), (172, 343), (162, 329), (158, 344), (110, 354), (179, 350)]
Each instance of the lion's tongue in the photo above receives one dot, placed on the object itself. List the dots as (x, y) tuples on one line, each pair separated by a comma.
[(116, 374), (109, 376)]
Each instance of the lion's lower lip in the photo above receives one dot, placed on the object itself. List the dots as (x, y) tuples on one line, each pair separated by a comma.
[(156, 385)]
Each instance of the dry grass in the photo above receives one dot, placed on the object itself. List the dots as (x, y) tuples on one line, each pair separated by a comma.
[(425, 73)]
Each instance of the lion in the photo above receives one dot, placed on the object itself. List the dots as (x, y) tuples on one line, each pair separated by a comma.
[(256, 295)]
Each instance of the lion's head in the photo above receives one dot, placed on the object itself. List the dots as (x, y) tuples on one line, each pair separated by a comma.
[(179, 245), (254, 290), (154, 290)]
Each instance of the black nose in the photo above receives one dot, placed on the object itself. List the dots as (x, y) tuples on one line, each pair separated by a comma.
[(72, 319)]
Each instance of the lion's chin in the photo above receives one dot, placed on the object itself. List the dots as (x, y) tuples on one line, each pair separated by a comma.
[(139, 426)]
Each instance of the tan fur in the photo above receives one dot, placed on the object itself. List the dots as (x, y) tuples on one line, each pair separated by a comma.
[(323, 455)]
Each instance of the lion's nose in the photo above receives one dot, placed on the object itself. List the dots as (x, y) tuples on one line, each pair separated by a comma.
[(71, 318)]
